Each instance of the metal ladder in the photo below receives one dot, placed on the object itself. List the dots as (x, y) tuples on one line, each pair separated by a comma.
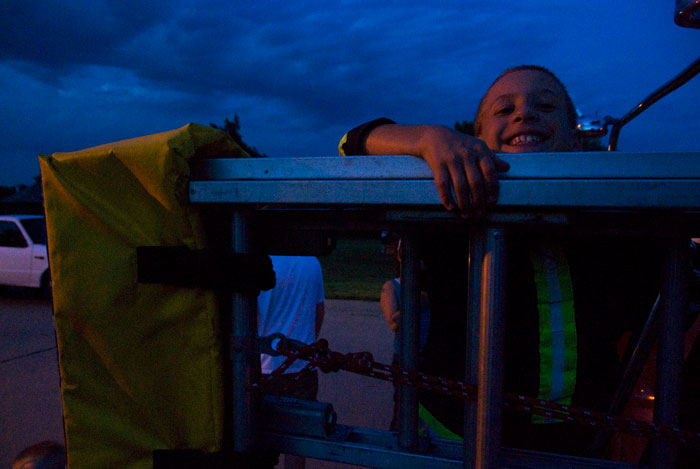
[(655, 194)]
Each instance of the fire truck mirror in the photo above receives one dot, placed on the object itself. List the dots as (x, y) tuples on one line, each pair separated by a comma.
[(688, 13)]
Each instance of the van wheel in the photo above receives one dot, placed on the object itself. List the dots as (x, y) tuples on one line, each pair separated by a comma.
[(45, 288)]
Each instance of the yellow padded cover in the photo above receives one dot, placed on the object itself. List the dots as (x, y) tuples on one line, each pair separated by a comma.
[(141, 364)]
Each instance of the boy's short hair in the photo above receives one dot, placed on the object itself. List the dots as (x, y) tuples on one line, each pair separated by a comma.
[(570, 108)]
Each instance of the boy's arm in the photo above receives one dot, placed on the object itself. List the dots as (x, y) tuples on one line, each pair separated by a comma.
[(353, 142), (459, 162)]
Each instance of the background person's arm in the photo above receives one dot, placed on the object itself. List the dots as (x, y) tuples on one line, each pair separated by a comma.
[(389, 305)]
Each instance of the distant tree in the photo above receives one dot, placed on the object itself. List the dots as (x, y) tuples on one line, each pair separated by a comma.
[(7, 190), (466, 127), (593, 144), (232, 128)]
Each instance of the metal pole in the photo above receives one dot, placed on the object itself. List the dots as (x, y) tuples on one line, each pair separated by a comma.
[(640, 355), (408, 353), (673, 305), (679, 80), (490, 395), (243, 356), (477, 248)]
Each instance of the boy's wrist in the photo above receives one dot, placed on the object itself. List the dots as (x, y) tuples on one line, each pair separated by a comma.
[(429, 136)]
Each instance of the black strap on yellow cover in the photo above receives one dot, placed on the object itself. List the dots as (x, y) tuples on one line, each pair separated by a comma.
[(204, 268), (196, 459)]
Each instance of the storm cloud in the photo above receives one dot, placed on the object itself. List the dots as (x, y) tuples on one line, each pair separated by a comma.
[(82, 73)]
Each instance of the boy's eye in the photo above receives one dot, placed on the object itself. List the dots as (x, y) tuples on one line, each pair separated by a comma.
[(505, 110), (546, 107)]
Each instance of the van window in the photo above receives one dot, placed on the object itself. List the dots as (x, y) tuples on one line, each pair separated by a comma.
[(11, 236), (36, 227)]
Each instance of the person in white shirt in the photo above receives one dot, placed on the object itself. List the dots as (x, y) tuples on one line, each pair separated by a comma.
[(294, 307)]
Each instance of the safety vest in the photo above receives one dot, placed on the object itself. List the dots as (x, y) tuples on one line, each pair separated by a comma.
[(557, 325), (557, 335)]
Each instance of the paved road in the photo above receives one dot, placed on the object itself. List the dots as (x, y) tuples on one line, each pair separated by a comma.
[(354, 326), (30, 406)]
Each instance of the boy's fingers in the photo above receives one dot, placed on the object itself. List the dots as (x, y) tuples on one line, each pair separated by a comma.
[(466, 175), (501, 165), (462, 187), (443, 182), (489, 168)]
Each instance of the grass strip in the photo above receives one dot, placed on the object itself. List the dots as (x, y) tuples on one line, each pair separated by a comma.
[(356, 270)]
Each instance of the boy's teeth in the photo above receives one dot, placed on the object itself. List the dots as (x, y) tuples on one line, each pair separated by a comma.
[(525, 139)]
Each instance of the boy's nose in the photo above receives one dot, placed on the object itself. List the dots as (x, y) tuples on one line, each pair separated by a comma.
[(524, 113)]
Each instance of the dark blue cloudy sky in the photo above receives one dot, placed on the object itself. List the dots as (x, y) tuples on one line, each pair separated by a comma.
[(79, 73)]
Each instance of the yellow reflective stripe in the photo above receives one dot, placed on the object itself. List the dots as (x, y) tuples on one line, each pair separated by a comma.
[(557, 326), (341, 152), (435, 426), (545, 329), (568, 324)]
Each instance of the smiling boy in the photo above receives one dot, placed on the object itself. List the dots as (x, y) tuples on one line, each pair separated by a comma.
[(526, 109), (568, 298)]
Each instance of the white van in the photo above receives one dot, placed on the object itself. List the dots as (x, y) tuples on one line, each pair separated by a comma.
[(23, 257)]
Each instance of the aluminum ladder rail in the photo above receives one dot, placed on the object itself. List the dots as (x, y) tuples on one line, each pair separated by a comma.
[(662, 190)]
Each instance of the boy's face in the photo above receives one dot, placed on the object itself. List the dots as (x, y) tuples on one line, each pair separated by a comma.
[(525, 111)]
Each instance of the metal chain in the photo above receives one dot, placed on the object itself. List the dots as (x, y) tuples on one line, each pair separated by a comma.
[(320, 356)]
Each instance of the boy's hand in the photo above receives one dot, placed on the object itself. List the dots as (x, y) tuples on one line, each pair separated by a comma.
[(463, 164)]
